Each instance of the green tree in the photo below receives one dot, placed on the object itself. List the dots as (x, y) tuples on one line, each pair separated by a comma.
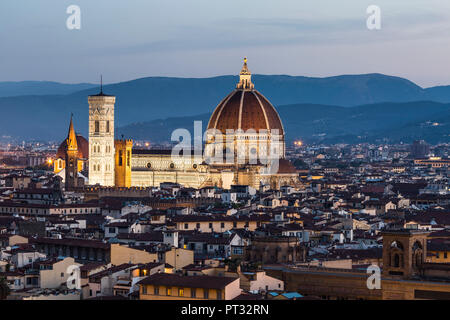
[(233, 264), (4, 288), (300, 164)]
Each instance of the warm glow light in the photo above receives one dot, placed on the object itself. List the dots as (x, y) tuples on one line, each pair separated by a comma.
[(298, 143), (49, 161), (147, 144)]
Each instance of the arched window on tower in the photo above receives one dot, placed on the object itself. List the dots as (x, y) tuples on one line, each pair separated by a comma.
[(396, 261), (396, 254), (417, 254)]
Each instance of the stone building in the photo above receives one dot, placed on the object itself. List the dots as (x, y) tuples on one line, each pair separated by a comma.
[(282, 249), (405, 274), (244, 146)]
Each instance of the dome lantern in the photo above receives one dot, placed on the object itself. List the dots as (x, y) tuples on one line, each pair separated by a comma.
[(245, 78)]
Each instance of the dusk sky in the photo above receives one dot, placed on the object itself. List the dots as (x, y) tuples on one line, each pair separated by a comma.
[(124, 40)]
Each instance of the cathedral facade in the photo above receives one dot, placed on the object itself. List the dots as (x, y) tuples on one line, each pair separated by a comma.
[(244, 126)]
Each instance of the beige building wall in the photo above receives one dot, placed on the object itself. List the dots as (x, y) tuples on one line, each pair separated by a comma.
[(179, 258), (52, 279), (3, 265), (231, 291), (260, 281), (16, 239), (121, 254)]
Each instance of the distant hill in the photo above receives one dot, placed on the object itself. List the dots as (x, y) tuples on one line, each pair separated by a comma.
[(331, 124), (35, 114), (395, 121), (26, 88)]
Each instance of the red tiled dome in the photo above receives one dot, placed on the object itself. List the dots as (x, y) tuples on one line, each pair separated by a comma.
[(245, 109), (83, 148)]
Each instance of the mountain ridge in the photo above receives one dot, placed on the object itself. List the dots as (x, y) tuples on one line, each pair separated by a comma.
[(152, 98)]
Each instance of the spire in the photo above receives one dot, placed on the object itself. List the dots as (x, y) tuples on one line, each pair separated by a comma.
[(101, 84), (245, 78), (245, 70), (72, 137)]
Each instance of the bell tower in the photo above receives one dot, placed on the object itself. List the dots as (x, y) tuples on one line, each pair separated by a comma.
[(71, 176), (404, 251), (101, 139), (123, 163)]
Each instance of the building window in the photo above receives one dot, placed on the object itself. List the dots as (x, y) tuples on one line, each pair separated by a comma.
[(219, 294), (120, 158), (186, 226), (222, 225), (181, 292), (169, 291), (445, 255), (205, 293), (128, 158), (144, 289), (193, 293), (97, 126), (210, 225), (198, 225), (107, 126), (156, 291)]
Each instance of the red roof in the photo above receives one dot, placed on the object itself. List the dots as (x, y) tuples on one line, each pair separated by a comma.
[(243, 109)]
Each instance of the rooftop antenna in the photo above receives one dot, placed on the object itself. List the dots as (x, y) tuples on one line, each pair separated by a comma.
[(101, 84)]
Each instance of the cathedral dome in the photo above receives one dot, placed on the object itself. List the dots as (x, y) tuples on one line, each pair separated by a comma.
[(245, 108), (83, 148)]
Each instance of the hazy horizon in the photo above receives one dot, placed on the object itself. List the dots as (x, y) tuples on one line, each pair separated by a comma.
[(105, 83)]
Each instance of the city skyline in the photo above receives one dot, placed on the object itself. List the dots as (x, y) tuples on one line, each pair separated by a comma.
[(200, 171)]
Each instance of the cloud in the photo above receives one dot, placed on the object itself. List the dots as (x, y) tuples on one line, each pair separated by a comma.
[(267, 32)]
